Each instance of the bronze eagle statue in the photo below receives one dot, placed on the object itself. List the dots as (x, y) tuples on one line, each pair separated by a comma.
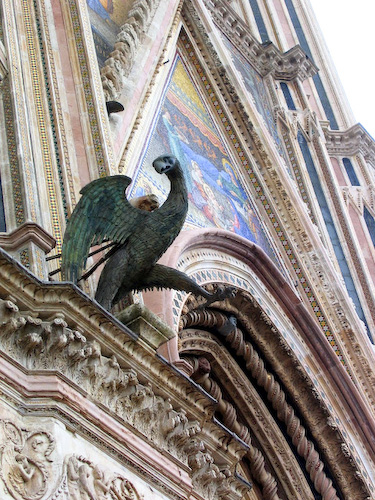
[(140, 237)]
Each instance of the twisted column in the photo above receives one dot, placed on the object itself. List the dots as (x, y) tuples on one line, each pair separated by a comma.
[(201, 373), (285, 412)]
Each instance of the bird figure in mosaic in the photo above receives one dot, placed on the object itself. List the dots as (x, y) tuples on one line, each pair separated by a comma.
[(139, 237)]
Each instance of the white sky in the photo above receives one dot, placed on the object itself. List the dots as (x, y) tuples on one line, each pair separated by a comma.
[(349, 31)]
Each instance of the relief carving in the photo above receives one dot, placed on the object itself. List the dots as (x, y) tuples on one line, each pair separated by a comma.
[(30, 473), (25, 338), (26, 465), (87, 481), (120, 62)]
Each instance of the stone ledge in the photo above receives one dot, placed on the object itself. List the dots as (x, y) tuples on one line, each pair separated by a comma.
[(26, 233)]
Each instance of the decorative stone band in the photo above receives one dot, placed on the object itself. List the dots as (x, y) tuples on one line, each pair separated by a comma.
[(26, 233)]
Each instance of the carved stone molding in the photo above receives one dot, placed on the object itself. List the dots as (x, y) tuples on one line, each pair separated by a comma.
[(119, 373), (3, 62), (350, 142), (285, 412), (330, 437), (27, 232), (120, 62), (266, 58)]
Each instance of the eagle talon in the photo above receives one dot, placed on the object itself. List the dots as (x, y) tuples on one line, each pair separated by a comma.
[(222, 293)]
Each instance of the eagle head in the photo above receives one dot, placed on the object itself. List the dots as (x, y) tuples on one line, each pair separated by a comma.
[(165, 164)]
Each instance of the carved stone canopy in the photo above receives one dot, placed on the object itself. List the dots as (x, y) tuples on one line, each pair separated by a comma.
[(265, 57), (350, 142)]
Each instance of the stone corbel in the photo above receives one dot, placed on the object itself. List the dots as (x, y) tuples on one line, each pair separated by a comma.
[(350, 142), (146, 324), (120, 62)]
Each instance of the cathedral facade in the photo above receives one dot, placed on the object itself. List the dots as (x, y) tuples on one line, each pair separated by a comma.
[(268, 394)]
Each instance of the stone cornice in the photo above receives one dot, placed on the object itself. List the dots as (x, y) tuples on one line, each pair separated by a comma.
[(265, 57), (87, 358), (27, 232), (350, 142)]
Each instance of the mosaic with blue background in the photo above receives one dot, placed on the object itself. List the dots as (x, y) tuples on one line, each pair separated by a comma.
[(216, 194)]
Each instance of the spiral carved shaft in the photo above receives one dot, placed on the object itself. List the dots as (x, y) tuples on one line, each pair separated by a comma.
[(228, 412), (285, 413), (275, 394)]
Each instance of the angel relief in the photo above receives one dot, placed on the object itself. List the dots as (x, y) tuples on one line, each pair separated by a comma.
[(26, 463), (87, 481), (29, 471)]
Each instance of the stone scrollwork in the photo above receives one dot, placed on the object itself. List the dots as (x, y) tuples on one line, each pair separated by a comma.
[(27, 468)]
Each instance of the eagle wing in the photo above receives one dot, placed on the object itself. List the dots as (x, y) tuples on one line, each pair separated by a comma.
[(102, 213)]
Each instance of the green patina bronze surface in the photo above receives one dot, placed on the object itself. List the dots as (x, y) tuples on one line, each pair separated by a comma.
[(140, 237)]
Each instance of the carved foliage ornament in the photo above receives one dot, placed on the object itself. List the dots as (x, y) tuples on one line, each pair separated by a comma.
[(25, 338)]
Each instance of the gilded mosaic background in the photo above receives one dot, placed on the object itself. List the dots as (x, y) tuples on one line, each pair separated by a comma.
[(217, 197)]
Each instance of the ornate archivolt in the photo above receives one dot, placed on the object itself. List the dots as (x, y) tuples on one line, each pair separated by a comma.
[(223, 346)]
